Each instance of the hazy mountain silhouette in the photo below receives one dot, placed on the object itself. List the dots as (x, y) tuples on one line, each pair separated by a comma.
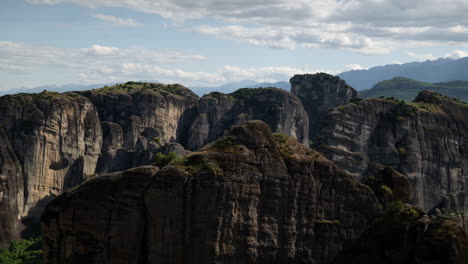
[(441, 70)]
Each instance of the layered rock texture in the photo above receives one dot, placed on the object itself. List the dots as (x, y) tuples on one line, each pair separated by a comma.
[(134, 115), (249, 197), (424, 140), (49, 142), (217, 112), (320, 93)]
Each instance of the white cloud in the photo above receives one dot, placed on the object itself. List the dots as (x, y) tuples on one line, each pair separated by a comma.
[(117, 20), (363, 26), (457, 54), (426, 56), (109, 62), (353, 67), (19, 54), (97, 50), (102, 64)]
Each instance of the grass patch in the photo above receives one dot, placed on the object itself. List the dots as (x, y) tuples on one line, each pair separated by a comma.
[(328, 222), (162, 160)]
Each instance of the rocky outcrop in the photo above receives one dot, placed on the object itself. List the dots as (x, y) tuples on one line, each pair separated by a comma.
[(320, 93), (249, 197), (404, 235), (48, 142), (137, 119), (424, 140), (144, 111), (217, 112)]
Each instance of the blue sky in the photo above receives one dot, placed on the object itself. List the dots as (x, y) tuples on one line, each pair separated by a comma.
[(212, 42)]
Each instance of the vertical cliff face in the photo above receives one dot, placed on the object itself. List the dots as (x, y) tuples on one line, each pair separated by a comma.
[(250, 197), (217, 112), (49, 142), (134, 115), (143, 110), (424, 140), (320, 93)]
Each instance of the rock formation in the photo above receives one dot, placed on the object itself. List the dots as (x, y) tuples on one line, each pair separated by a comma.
[(217, 112), (143, 110), (424, 140), (249, 197), (49, 142), (405, 235), (134, 115), (320, 93)]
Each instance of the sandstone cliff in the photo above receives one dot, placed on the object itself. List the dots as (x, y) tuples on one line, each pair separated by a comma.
[(217, 112), (320, 93), (49, 142), (249, 197), (424, 140), (134, 114)]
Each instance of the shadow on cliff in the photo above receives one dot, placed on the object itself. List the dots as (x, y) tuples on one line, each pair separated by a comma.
[(74, 174), (31, 221)]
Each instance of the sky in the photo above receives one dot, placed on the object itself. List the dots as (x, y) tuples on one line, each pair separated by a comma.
[(214, 42)]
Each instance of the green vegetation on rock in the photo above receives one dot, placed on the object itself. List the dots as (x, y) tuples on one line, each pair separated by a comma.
[(162, 160), (44, 97), (328, 222), (246, 94), (398, 215), (164, 89), (26, 251)]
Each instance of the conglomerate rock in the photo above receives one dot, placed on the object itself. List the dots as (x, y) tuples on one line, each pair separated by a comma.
[(424, 140), (217, 112), (48, 142)]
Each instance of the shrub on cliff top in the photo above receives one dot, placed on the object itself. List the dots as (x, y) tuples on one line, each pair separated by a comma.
[(162, 160), (397, 216)]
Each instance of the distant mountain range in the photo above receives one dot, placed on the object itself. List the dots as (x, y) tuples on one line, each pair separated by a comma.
[(441, 70), (407, 89), (436, 71), (54, 88)]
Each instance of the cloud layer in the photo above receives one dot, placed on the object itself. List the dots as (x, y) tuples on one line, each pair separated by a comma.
[(364, 26), (117, 20), (103, 64)]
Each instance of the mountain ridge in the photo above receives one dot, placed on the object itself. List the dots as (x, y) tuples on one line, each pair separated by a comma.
[(432, 71), (407, 89)]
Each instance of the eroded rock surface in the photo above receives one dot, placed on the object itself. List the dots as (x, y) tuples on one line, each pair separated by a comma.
[(49, 142), (320, 93), (249, 197), (217, 112), (138, 118), (424, 140), (144, 111)]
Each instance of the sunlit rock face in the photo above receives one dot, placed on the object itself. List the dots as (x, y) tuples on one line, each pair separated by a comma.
[(49, 142)]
